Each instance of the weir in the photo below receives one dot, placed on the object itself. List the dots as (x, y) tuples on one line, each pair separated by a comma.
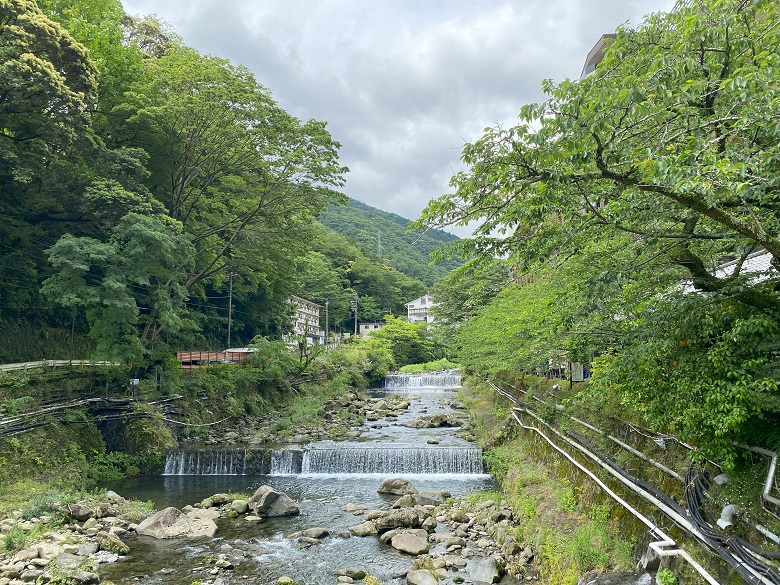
[(341, 460), (449, 379)]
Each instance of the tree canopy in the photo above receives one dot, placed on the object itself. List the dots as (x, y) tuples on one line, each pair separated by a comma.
[(633, 203)]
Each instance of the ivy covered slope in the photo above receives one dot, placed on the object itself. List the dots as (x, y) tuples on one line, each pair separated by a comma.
[(406, 252), (640, 206)]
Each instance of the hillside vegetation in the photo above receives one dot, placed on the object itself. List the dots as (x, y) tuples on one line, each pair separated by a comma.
[(406, 252)]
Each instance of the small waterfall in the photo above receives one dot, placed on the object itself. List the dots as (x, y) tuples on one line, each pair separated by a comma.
[(342, 460), (358, 460), (210, 462), (448, 379)]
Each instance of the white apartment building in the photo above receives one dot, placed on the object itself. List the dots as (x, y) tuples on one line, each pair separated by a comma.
[(306, 322), (420, 310)]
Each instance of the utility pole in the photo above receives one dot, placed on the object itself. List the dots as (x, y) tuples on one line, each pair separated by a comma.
[(327, 302), (230, 307), (355, 309)]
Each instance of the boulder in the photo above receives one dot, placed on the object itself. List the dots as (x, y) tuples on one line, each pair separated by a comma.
[(316, 533), (112, 543), (421, 577), (240, 506), (431, 497), (410, 543), (485, 571), (366, 528), (267, 503), (401, 518), (397, 486), (170, 523), (80, 512)]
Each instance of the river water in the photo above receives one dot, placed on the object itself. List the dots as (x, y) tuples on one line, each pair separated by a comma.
[(323, 477)]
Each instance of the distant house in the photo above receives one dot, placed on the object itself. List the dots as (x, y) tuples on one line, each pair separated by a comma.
[(367, 328), (306, 321), (420, 310)]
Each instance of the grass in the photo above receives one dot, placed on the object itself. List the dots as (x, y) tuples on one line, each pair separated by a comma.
[(571, 535), (442, 364)]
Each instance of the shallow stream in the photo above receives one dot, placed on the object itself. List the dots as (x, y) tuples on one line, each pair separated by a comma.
[(329, 475)]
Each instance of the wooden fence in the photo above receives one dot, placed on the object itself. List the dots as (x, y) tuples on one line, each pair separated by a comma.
[(204, 359)]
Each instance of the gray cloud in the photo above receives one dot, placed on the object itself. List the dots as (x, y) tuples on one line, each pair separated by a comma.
[(402, 84)]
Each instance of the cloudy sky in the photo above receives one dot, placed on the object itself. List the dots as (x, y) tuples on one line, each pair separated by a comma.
[(403, 84)]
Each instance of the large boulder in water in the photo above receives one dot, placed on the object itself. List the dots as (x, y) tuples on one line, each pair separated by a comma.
[(397, 486), (485, 571), (401, 518), (412, 544), (171, 522), (421, 577), (267, 502)]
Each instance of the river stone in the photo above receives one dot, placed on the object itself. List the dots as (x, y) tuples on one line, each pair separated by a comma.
[(410, 543), (170, 523), (366, 528), (401, 518), (286, 581), (267, 502), (421, 577), (485, 572), (406, 501), (356, 574), (431, 497), (355, 508), (240, 506), (111, 543), (80, 512), (397, 486), (317, 532)]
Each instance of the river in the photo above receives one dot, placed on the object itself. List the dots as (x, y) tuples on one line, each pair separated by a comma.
[(323, 477)]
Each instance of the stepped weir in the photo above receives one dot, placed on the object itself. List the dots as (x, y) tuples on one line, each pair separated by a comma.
[(393, 448), (448, 379), (342, 460)]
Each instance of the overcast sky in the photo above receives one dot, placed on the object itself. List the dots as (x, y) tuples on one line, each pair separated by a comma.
[(403, 84)]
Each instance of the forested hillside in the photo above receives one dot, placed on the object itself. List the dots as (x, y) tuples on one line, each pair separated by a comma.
[(407, 253), (148, 193)]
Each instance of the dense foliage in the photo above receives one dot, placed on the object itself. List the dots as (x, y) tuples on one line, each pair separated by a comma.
[(406, 251), (145, 187), (620, 201)]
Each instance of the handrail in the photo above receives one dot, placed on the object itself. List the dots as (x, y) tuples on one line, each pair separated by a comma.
[(54, 364)]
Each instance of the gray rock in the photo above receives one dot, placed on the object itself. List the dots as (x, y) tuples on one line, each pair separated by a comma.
[(397, 486), (112, 543), (410, 543), (240, 506), (170, 523), (80, 512), (366, 528), (431, 497), (267, 503), (485, 572), (421, 577), (401, 518), (317, 533)]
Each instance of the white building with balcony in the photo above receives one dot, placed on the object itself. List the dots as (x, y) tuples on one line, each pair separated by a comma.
[(420, 310), (306, 321)]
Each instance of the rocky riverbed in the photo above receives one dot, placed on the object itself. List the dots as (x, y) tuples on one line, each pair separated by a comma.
[(344, 418), (448, 541)]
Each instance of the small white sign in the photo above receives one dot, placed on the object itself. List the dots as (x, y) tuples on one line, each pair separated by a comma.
[(577, 372)]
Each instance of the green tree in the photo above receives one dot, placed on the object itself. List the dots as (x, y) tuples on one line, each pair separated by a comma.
[(46, 85), (673, 141), (135, 280), (237, 170), (408, 342)]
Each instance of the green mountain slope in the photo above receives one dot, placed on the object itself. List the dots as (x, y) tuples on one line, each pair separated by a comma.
[(407, 253)]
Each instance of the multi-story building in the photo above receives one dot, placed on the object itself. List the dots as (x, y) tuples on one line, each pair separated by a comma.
[(306, 321), (420, 310)]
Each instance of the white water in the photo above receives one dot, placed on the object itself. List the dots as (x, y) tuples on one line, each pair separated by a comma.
[(448, 379), (214, 462)]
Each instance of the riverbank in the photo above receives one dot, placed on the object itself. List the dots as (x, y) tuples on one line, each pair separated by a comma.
[(563, 521)]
